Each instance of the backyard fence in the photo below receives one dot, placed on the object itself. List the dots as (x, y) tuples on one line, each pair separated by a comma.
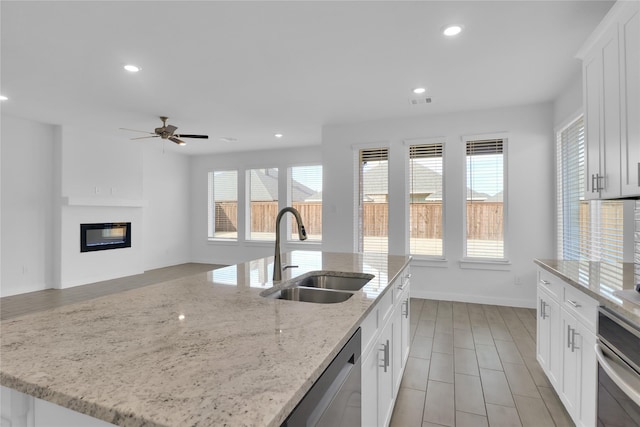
[(426, 218)]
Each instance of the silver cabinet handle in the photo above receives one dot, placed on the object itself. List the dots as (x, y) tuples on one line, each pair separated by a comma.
[(573, 303), (385, 356), (543, 309), (569, 336), (406, 304), (545, 282), (593, 183), (573, 340)]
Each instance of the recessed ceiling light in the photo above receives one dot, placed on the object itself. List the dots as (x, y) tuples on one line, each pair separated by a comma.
[(278, 135), (452, 30), (132, 68), (419, 90), (3, 98)]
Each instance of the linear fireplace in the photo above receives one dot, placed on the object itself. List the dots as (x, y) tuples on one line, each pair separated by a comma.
[(104, 236)]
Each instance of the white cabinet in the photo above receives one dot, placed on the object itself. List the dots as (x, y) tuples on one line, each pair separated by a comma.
[(611, 89), (548, 335), (565, 345), (385, 349)]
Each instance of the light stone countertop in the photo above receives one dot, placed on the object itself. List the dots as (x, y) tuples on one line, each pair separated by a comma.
[(601, 281), (205, 350)]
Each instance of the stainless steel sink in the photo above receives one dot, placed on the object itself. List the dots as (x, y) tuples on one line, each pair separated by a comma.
[(350, 282), (311, 295)]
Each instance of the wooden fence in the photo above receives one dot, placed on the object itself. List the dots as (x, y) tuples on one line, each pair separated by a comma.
[(488, 223)]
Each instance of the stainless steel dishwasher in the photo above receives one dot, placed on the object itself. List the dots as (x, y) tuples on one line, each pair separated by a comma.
[(335, 399)]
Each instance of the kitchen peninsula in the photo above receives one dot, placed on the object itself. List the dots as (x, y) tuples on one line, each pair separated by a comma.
[(201, 350)]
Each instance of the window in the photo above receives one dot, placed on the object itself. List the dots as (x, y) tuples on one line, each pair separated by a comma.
[(223, 205), (485, 213), (306, 196), (425, 199), (590, 230), (263, 199), (373, 200)]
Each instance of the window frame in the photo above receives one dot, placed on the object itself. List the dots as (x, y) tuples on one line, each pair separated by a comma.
[(487, 262), (289, 200), (247, 210), (357, 185), (408, 143), (211, 217)]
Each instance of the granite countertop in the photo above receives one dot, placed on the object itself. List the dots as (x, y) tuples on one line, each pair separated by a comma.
[(606, 283), (202, 350)]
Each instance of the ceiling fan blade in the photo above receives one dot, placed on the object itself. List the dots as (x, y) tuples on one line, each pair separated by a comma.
[(170, 128), (177, 141), (182, 135), (145, 137), (136, 130)]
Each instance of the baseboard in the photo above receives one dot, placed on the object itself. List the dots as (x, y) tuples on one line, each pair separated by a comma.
[(475, 299)]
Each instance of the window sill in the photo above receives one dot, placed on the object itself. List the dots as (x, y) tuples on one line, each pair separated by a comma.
[(229, 242), (429, 262), (485, 264)]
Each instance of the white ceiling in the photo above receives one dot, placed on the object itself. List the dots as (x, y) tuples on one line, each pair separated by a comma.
[(250, 69)]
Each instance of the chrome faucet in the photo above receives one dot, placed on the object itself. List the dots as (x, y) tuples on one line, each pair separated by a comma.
[(302, 234)]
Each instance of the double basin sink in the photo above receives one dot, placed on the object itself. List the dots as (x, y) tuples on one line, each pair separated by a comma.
[(320, 287)]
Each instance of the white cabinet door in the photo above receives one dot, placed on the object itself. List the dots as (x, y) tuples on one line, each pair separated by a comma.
[(570, 364), (548, 336), (370, 388), (601, 71), (630, 87), (385, 375), (586, 415), (405, 338)]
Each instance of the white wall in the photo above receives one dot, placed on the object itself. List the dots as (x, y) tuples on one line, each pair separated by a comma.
[(234, 252), (569, 102), (166, 216), (530, 172), (27, 212)]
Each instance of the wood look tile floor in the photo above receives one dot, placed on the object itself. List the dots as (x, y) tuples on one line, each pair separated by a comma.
[(32, 302), (474, 365)]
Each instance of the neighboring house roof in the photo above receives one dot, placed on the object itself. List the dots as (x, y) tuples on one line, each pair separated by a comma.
[(264, 186), (427, 181)]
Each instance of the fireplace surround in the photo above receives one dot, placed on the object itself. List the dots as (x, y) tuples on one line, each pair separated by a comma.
[(105, 236)]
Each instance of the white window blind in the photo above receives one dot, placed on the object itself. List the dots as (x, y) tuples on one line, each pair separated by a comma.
[(426, 199), (306, 196), (374, 200), (223, 205), (485, 214), (586, 230), (263, 199)]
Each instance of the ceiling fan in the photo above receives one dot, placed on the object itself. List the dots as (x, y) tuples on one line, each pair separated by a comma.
[(167, 132)]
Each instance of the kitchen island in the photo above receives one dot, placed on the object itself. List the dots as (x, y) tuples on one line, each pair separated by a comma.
[(202, 350)]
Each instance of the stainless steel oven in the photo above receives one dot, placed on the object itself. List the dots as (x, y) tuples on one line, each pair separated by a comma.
[(618, 354)]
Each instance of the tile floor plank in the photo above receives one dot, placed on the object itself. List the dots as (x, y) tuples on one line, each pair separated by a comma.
[(502, 416), (532, 411), (468, 393), (441, 367), (409, 408), (439, 404)]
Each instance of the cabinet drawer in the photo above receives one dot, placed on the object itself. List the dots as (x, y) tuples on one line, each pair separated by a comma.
[(550, 283), (401, 284), (582, 306)]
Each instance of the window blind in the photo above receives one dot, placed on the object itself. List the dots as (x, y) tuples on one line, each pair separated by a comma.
[(586, 230), (223, 204), (305, 185), (263, 198), (426, 200), (485, 199), (373, 226)]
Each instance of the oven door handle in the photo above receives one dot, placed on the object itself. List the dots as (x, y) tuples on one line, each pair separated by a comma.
[(608, 363)]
